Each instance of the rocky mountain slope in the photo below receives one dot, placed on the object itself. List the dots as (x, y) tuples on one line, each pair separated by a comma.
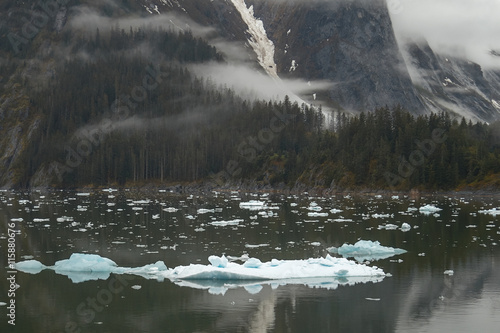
[(352, 45)]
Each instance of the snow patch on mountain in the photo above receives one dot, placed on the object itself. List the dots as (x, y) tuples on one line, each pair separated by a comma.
[(260, 43)]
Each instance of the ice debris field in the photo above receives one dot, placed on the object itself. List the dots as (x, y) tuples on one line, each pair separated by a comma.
[(326, 272)]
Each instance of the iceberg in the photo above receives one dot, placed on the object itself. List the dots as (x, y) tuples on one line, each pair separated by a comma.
[(80, 262), (367, 250)]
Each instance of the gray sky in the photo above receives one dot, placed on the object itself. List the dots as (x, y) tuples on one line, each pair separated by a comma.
[(460, 27)]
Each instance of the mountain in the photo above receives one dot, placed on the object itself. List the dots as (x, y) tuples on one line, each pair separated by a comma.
[(352, 45), (185, 85)]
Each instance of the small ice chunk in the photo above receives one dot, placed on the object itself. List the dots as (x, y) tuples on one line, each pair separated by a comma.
[(136, 287), (226, 223), (405, 227), (218, 261), (381, 216), (253, 205), (205, 211), (252, 263), (316, 214), (429, 209), (388, 226), (313, 206), (252, 246), (41, 220), (449, 272), (275, 262)]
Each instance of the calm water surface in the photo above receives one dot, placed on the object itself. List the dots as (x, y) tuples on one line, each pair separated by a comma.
[(137, 229)]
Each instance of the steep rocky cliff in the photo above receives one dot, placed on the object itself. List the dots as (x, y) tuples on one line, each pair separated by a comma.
[(453, 84), (350, 43)]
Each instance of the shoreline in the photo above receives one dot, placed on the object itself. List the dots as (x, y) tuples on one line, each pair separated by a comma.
[(207, 188)]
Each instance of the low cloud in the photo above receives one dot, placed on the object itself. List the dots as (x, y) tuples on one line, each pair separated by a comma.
[(87, 19), (250, 84), (462, 28)]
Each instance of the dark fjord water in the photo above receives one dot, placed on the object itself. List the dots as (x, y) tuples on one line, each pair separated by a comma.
[(136, 229)]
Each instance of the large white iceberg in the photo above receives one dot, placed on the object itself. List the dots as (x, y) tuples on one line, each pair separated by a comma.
[(330, 270), (367, 250), (254, 269)]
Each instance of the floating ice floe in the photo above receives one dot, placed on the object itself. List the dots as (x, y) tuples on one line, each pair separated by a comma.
[(313, 206), (429, 209), (316, 214), (405, 227), (366, 250), (382, 216), (493, 211), (41, 220), (388, 226), (226, 223), (221, 274), (253, 205), (205, 211), (254, 269)]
